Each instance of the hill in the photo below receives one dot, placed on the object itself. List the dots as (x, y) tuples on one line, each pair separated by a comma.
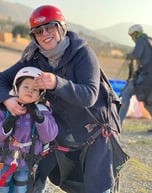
[(111, 54), (116, 34), (119, 33), (14, 11)]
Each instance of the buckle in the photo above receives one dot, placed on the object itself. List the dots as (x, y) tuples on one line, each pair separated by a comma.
[(91, 140), (16, 154), (90, 126)]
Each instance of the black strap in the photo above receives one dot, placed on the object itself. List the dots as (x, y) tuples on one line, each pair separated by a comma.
[(5, 149)]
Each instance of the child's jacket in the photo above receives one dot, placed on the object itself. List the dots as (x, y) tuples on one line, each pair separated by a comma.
[(21, 137)]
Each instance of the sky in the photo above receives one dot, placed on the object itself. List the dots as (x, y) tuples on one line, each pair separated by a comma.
[(97, 14)]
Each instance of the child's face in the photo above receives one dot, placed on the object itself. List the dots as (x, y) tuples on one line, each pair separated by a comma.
[(27, 93)]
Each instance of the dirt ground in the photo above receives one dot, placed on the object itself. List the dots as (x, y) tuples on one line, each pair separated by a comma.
[(111, 66), (7, 58)]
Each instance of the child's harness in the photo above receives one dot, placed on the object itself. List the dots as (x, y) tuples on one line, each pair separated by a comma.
[(30, 158)]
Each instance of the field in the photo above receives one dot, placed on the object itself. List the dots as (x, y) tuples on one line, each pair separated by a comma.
[(11, 52), (136, 175)]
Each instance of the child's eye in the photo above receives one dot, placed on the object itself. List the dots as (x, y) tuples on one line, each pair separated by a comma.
[(35, 90), (25, 87)]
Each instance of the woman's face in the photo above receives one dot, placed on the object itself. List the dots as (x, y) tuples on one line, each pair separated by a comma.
[(47, 36), (27, 92)]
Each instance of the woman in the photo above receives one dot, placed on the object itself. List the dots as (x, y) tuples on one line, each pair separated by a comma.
[(71, 77)]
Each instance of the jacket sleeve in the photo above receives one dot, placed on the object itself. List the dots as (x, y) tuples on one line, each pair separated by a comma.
[(48, 129), (83, 91), (138, 50)]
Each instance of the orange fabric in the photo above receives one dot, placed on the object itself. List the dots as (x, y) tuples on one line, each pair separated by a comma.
[(137, 109)]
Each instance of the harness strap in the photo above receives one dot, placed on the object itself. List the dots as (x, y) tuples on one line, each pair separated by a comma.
[(7, 173), (19, 183), (106, 129), (68, 146), (58, 147), (18, 144), (30, 158)]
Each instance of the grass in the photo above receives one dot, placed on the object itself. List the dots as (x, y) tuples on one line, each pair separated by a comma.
[(137, 125), (144, 172), (137, 173)]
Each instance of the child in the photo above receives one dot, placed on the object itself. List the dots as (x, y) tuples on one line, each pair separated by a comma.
[(23, 138)]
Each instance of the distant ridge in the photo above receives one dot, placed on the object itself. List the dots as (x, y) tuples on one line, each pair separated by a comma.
[(14, 11), (114, 34), (119, 32)]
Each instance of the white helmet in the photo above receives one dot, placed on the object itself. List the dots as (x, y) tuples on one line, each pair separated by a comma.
[(26, 71), (135, 28)]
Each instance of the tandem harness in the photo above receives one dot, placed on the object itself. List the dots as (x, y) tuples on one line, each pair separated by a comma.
[(69, 174), (33, 160)]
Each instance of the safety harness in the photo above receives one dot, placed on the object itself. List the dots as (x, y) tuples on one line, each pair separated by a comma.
[(31, 159), (100, 128)]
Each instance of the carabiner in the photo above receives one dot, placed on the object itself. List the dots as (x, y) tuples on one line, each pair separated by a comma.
[(106, 131)]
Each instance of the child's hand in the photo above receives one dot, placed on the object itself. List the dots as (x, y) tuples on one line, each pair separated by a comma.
[(35, 113), (9, 123)]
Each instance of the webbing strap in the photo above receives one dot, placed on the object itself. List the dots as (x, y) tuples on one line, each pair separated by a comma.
[(8, 172)]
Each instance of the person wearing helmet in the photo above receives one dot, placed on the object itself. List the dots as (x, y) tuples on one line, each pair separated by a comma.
[(140, 83), (71, 78), (17, 144), (135, 31)]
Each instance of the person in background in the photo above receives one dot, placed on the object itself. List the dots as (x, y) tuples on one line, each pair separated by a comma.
[(140, 83), (81, 161), (17, 142)]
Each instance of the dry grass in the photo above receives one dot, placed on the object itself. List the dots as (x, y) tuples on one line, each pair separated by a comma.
[(113, 67), (7, 58), (11, 52), (137, 173)]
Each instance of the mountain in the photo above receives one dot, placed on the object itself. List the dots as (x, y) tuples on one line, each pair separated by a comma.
[(14, 11), (119, 33), (17, 12), (81, 29), (20, 13)]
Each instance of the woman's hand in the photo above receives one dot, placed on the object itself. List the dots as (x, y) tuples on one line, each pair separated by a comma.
[(45, 81), (13, 106)]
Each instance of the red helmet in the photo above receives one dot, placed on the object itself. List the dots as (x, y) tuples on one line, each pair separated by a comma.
[(45, 14)]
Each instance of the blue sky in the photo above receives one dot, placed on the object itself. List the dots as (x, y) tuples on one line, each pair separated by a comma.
[(97, 14)]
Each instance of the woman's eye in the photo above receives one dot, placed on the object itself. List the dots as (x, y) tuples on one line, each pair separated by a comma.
[(25, 87)]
